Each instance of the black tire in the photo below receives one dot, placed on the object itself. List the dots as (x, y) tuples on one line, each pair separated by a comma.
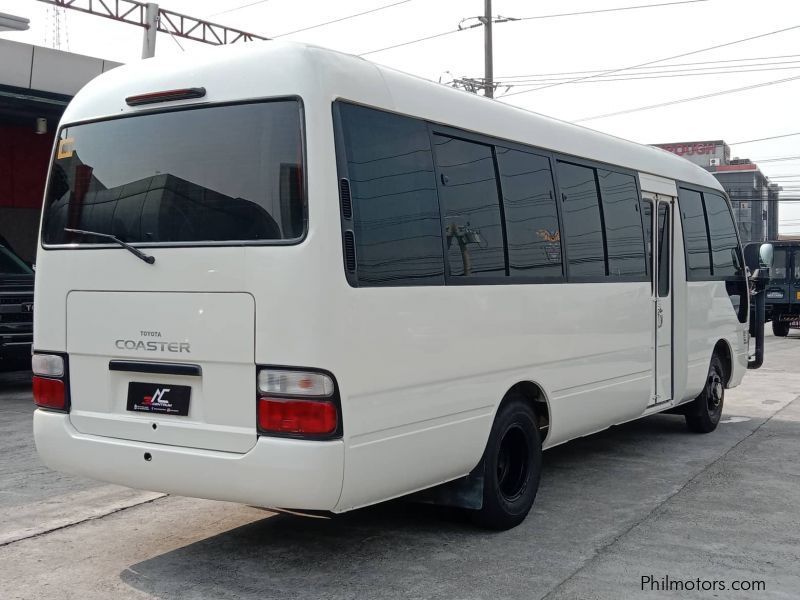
[(512, 467), (704, 412), (780, 328)]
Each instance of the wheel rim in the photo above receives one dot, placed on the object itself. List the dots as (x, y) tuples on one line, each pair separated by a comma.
[(513, 463), (715, 392)]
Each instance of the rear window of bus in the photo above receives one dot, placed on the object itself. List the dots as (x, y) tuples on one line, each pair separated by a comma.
[(228, 173)]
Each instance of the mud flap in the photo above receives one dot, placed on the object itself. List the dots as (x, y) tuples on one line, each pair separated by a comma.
[(465, 492)]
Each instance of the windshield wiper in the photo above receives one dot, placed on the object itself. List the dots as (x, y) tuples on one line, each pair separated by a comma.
[(135, 251)]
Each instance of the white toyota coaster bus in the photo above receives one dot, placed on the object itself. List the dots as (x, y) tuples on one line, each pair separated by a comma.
[(288, 277)]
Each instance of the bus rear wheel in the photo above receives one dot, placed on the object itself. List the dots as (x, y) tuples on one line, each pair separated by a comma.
[(704, 413), (780, 328), (512, 467)]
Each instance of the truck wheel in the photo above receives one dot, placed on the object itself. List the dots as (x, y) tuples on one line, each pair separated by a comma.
[(512, 467), (780, 328), (704, 412)]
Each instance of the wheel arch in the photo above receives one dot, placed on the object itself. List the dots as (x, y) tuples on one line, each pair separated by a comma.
[(723, 349), (534, 394), (467, 492)]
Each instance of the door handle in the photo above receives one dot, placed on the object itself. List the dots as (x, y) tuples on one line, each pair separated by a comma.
[(660, 315)]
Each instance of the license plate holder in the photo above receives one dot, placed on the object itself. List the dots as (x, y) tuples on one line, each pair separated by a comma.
[(159, 398)]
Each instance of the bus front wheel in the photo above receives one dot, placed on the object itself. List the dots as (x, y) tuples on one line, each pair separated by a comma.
[(512, 466), (704, 413)]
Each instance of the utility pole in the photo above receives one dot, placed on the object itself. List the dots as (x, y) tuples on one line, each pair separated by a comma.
[(487, 49), (150, 30), (473, 84)]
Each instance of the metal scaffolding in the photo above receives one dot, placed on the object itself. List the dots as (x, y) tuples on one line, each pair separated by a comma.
[(145, 14)]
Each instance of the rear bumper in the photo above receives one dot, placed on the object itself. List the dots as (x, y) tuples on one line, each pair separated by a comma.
[(276, 472)]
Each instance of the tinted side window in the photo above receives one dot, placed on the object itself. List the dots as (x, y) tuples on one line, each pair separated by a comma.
[(695, 235), (624, 239), (582, 221), (534, 239), (664, 251), (722, 231), (796, 273), (11, 264), (780, 263), (470, 208), (395, 208), (647, 222)]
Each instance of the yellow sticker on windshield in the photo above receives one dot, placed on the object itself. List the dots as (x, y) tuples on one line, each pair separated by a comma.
[(798, 295), (65, 148)]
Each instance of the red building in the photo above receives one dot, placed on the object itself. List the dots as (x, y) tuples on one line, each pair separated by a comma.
[(35, 86), (753, 197)]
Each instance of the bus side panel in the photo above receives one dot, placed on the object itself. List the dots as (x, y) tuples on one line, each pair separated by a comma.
[(427, 367), (52, 283), (703, 315), (711, 318), (607, 381)]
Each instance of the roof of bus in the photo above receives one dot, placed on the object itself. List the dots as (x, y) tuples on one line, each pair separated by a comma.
[(319, 76)]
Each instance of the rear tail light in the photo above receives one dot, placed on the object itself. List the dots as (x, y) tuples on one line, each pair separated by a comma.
[(297, 403), (49, 393), (282, 415), (49, 381)]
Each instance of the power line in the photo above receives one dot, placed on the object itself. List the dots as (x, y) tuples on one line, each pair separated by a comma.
[(666, 75), (686, 64), (690, 99), (794, 197), (230, 10), (652, 62), (339, 20), (174, 39), (777, 159), (430, 37), (766, 201), (511, 20), (604, 10), (773, 137), (666, 69)]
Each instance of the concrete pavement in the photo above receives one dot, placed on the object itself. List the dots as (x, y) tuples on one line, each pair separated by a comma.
[(643, 499)]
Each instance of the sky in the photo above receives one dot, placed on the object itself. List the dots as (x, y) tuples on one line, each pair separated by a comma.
[(576, 45)]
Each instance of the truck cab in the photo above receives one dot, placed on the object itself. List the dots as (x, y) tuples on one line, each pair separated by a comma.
[(16, 309), (783, 290)]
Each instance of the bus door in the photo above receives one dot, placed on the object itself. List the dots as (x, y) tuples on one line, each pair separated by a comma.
[(659, 209)]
